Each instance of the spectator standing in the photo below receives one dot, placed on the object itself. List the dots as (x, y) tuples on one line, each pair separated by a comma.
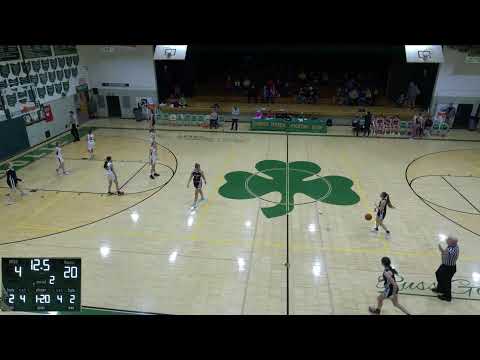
[(412, 93), (235, 117), (74, 126), (428, 125), (447, 269), (353, 97), (368, 123)]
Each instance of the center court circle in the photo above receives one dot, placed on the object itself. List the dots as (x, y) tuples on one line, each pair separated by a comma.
[(327, 194)]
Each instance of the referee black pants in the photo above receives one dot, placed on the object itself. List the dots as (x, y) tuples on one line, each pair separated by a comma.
[(444, 276)]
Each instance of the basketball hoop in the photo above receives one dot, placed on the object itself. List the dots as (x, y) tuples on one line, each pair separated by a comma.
[(425, 55)]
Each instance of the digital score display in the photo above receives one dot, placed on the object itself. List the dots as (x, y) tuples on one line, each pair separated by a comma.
[(41, 284)]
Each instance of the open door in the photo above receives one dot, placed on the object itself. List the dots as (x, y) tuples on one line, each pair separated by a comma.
[(113, 104), (463, 115)]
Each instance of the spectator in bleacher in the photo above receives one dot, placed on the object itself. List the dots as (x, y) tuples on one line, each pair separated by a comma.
[(182, 102), (252, 93), (173, 101), (246, 83), (353, 97), (368, 97), (412, 93), (324, 78), (301, 96), (177, 91), (401, 100), (302, 76)]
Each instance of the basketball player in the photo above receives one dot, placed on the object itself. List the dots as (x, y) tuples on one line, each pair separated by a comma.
[(13, 182), (152, 135), (381, 210), (197, 176), (90, 144), (59, 156), (390, 291), (153, 159), (111, 176)]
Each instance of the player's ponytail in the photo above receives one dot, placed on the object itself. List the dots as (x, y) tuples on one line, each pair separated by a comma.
[(388, 265), (107, 160), (387, 198)]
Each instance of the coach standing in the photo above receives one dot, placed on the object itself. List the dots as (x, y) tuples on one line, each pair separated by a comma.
[(447, 269)]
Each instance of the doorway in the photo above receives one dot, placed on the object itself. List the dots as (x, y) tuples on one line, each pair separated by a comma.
[(113, 105), (462, 116)]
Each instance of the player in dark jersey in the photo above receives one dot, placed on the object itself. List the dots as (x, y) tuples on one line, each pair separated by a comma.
[(390, 291), (13, 182), (381, 210), (197, 176)]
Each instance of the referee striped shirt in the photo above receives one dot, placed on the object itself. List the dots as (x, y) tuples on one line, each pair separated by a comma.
[(450, 255)]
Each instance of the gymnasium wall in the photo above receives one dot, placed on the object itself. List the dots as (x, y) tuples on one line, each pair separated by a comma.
[(457, 82), (119, 65), (50, 80)]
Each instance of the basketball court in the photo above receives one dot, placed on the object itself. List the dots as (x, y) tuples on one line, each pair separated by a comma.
[(282, 230)]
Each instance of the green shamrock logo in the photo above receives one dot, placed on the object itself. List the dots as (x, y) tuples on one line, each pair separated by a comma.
[(274, 176)]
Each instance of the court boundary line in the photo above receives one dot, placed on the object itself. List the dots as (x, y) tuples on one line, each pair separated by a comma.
[(423, 200), (277, 133), (433, 296), (287, 264), (133, 176), (106, 217), (132, 312)]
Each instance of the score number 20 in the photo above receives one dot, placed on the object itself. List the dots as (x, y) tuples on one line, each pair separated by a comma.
[(70, 272)]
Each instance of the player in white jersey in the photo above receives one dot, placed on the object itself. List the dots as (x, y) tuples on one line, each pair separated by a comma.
[(153, 137), (59, 156), (90, 144), (111, 176), (153, 159)]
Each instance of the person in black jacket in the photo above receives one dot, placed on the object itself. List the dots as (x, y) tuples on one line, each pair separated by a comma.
[(368, 123), (13, 182)]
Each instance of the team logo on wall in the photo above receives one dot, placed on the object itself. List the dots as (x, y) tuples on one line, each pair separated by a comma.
[(51, 76), (66, 86), (53, 63), (3, 84), (45, 65), (68, 73), (26, 67), (43, 78), (69, 61), (74, 72), (41, 92), (24, 80), (4, 70), (13, 82), (15, 67), (36, 65), (34, 79), (61, 62), (59, 75), (31, 95), (76, 59), (50, 90), (11, 99), (58, 88)]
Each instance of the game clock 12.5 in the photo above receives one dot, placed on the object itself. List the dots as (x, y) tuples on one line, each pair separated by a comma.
[(41, 284)]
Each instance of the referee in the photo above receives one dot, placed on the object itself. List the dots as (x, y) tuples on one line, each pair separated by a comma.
[(448, 268)]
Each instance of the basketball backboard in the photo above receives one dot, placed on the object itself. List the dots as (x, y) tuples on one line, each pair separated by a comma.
[(170, 52), (424, 53)]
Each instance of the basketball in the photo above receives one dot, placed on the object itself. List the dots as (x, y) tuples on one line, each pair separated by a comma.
[(368, 217)]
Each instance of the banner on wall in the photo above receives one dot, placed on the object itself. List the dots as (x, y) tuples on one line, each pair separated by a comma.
[(48, 113), (445, 113)]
